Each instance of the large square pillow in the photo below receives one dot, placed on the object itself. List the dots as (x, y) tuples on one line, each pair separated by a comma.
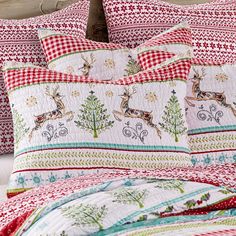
[(213, 24), (19, 41), (211, 113), (66, 125), (109, 61)]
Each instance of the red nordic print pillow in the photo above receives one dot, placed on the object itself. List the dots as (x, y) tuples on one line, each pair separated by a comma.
[(19, 41), (131, 22)]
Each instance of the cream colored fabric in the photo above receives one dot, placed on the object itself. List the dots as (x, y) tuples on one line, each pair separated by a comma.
[(6, 163), (3, 190)]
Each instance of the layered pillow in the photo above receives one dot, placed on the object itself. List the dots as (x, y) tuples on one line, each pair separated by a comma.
[(211, 113), (105, 61), (131, 22), (66, 125), (19, 41)]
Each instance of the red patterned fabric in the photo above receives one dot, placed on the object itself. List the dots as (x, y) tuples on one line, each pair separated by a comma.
[(131, 22), (29, 75), (18, 208), (19, 41)]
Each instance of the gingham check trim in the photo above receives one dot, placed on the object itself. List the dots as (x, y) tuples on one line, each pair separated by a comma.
[(150, 59), (16, 78), (56, 46), (177, 36)]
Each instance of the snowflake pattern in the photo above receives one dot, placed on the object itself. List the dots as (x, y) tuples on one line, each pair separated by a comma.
[(36, 179), (151, 97), (31, 101), (70, 70), (75, 93), (21, 180), (52, 178), (109, 63), (221, 77), (109, 93)]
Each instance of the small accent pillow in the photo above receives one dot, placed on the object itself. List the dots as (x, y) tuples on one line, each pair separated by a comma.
[(131, 22), (19, 41), (66, 125), (105, 61), (211, 113)]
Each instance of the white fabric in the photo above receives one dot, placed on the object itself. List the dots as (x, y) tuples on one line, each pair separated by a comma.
[(6, 163), (3, 191)]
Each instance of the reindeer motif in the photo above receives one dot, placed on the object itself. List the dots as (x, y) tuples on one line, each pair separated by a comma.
[(58, 113), (88, 64), (199, 95), (126, 111)]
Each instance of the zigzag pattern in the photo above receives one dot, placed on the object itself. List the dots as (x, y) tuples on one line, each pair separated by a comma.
[(213, 24), (19, 42)]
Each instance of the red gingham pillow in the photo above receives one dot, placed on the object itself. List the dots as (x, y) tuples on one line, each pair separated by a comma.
[(130, 22), (73, 55), (19, 41)]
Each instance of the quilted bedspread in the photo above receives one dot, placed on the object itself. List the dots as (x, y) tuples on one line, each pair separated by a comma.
[(200, 202)]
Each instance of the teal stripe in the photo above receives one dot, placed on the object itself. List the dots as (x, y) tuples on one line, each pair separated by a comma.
[(164, 221), (167, 203), (212, 129), (105, 146)]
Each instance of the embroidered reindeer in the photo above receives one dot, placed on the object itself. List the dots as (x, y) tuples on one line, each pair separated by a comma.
[(58, 113), (126, 111), (199, 95), (88, 64)]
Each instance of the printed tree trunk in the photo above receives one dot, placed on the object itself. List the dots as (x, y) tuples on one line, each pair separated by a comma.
[(93, 116), (86, 215), (173, 121)]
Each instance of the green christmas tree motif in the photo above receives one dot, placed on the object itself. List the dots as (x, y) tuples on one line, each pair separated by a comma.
[(93, 116), (132, 67), (130, 196), (173, 121), (169, 184), (86, 215), (20, 127)]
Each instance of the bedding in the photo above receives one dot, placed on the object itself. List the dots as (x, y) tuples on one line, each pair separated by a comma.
[(67, 125), (19, 41), (193, 201), (6, 164), (131, 22), (78, 56), (211, 112)]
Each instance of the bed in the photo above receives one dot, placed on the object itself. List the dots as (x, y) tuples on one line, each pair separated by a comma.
[(174, 201)]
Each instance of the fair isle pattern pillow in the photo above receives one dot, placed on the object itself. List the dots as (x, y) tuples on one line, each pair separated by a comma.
[(105, 61), (19, 42), (131, 22), (67, 126), (211, 113)]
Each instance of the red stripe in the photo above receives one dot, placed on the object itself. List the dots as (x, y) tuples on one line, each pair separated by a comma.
[(73, 168), (98, 148), (16, 78), (209, 132), (212, 151)]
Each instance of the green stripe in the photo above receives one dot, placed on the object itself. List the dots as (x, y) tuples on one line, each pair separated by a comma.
[(167, 203), (105, 146), (168, 221), (212, 129)]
